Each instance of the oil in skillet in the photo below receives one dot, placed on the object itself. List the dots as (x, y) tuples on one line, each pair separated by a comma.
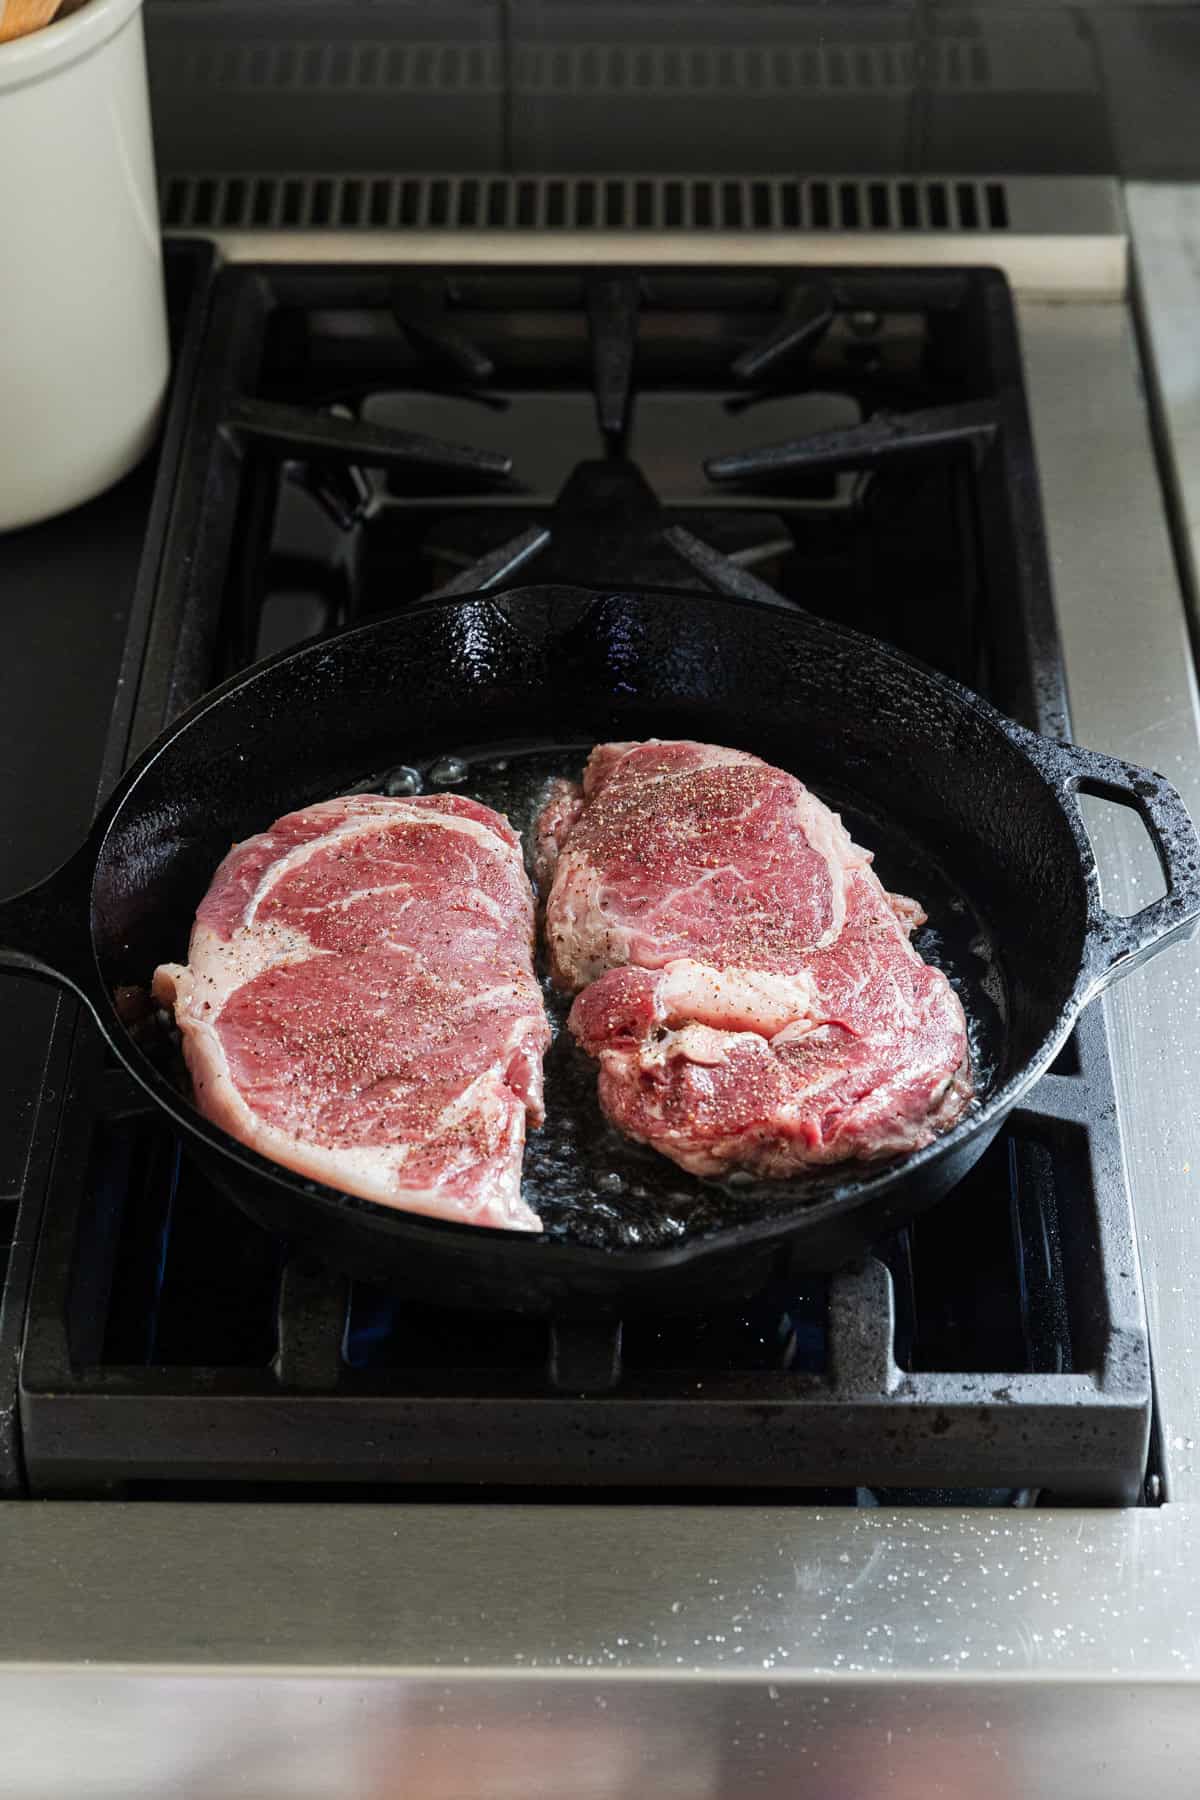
[(588, 1182)]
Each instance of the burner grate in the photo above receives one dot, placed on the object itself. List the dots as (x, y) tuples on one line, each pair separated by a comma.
[(185, 1346), (327, 473)]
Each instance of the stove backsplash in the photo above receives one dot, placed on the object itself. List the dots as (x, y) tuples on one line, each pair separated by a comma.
[(503, 85)]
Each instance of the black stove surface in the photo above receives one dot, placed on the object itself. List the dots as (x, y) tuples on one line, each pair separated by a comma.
[(343, 441)]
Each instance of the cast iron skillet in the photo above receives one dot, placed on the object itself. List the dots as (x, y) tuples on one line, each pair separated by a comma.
[(973, 813)]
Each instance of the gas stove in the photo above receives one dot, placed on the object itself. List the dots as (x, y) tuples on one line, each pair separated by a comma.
[(345, 441), (694, 1535)]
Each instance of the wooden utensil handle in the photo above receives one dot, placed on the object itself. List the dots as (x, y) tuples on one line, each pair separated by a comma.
[(19, 17)]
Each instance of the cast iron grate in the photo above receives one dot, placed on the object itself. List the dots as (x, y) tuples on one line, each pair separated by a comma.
[(868, 453)]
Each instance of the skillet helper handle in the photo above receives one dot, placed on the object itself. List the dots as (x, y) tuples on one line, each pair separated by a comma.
[(46, 931), (1116, 944)]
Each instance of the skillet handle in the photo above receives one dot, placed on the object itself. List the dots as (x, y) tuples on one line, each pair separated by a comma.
[(46, 931), (1116, 944)]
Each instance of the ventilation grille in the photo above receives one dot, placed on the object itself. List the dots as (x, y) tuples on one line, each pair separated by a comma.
[(764, 69), (549, 70), (578, 203), (324, 66)]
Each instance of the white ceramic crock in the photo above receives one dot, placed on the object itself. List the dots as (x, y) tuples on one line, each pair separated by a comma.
[(83, 335)]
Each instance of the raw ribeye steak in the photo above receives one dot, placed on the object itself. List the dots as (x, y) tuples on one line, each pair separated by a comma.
[(748, 986), (360, 1004)]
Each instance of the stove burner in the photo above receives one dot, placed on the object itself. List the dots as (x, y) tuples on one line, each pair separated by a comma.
[(852, 441)]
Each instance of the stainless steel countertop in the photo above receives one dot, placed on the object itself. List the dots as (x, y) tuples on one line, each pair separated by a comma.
[(602, 1652), (609, 1651)]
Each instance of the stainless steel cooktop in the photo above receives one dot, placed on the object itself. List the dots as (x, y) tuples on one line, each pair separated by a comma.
[(720, 1650)]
